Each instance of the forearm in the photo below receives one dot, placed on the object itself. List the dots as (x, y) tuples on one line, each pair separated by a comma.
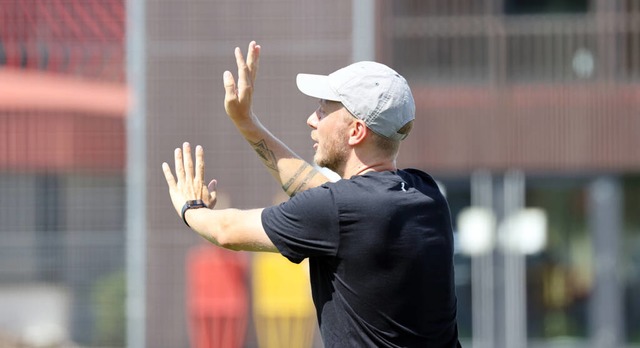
[(289, 170), (231, 228)]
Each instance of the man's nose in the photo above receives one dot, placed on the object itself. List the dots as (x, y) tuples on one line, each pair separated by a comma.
[(312, 121)]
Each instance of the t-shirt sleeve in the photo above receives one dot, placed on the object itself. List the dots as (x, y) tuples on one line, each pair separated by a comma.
[(304, 226)]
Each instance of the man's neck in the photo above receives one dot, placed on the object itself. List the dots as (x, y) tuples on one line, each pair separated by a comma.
[(362, 168)]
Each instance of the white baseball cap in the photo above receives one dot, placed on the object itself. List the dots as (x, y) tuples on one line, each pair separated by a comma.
[(371, 91)]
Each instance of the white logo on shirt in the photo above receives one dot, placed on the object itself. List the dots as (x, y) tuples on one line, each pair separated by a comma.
[(402, 187)]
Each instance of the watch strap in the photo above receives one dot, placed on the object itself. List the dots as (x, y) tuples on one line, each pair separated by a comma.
[(192, 204)]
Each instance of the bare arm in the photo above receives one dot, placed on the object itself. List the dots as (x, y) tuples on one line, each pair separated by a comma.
[(289, 170), (229, 228)]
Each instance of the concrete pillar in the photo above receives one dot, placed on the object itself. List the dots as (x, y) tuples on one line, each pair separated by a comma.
[(482, 271), (605, 223)]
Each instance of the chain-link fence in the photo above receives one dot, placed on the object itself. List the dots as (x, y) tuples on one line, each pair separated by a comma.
[(547, 90)]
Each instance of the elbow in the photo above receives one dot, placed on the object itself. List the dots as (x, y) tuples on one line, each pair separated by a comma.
[(227, 243), (224, 235), (223, 240), (235, 229), (230, 245)]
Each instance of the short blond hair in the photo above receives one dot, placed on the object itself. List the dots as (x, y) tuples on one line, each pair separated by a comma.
[(390, 146)]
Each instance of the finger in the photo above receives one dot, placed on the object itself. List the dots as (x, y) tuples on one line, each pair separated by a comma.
[(179, 166), (199, 179), (171, 181), (243, 70), (188, 161), (253, 58)]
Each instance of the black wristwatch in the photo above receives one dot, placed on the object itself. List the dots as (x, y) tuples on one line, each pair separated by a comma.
[(194, 204)]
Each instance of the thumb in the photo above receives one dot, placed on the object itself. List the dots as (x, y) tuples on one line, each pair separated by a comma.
[(213, 197), (212, 185)]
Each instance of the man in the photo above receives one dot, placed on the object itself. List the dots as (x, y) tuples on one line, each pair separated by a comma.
[(379, 241)]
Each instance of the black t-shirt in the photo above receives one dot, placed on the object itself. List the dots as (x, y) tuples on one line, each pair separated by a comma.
[(380, 249)]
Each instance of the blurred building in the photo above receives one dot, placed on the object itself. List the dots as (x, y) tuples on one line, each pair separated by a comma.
[(540, 98), (62, 189), (520, 104)]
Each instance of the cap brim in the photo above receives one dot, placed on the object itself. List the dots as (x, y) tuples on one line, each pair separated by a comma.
[(316, 86)]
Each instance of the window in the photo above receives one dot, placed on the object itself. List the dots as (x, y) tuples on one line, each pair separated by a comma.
[(628, 47), (523, 7), (442, 58), (49, 248), (533, 56), (439, 7)]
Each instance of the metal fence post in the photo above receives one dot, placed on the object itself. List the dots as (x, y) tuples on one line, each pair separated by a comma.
[(136, 213)]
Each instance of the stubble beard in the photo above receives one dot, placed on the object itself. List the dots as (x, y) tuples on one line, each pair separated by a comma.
[(335, 156)]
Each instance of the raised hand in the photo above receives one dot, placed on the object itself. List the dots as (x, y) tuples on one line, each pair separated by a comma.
[(237, 97), (289, 170), (188, 184)]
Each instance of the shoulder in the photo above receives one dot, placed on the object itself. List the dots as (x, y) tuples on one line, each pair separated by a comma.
[(315, 206), (414, 177), (416, 174), (308, 201), (378, 184), (418, 178)]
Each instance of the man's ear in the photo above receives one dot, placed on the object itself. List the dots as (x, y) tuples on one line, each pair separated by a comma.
[(357, 132)]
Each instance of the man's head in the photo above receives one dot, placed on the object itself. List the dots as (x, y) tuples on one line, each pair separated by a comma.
[(364, 104), (370, 91)]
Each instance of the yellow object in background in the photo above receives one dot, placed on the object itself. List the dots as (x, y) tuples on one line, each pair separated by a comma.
[(283, 310)]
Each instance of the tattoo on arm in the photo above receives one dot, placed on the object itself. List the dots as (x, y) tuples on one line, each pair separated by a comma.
[(295, 177), (304, 182), (265, 154)]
